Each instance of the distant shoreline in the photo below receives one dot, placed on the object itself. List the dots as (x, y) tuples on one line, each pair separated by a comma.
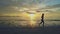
[(26, 20)]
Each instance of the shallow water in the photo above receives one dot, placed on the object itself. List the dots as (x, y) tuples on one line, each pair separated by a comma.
[(17, 21), (12, 25)]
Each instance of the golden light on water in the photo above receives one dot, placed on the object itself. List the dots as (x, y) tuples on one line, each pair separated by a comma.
[(30, 17), (32, 22), (33, 19)]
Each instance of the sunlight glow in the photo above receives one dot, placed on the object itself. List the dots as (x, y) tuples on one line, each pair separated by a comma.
[(32, 22)]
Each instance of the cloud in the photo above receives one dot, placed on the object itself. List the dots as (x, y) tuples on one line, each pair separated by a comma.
[(20, 2), (22, 5)]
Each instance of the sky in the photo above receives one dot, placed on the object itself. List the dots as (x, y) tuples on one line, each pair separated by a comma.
[(16, 6)]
